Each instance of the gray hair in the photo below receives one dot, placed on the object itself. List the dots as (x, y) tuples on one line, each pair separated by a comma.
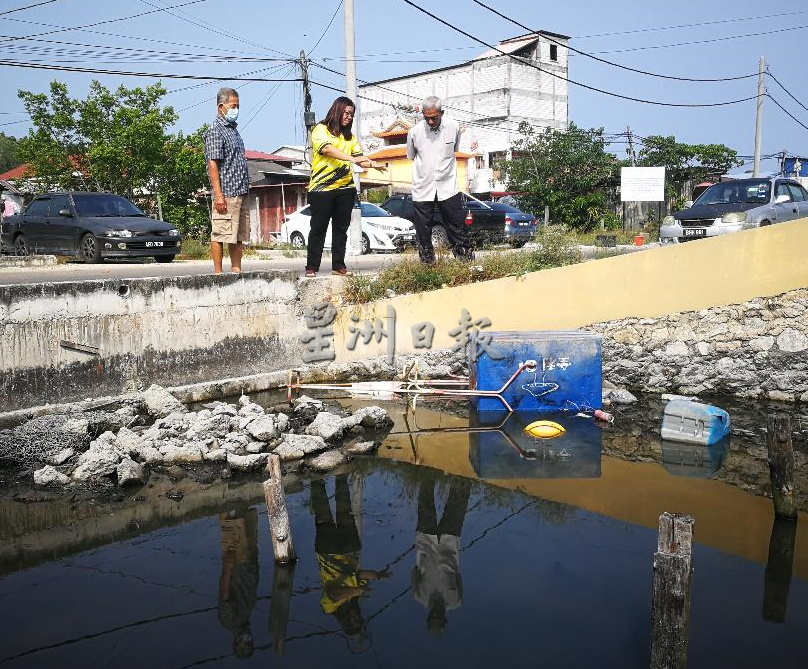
[(431, 102), (224, 95)]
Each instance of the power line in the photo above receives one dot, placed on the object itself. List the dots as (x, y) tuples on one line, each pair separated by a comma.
[(700, 24), (777, 81), (123, 73), (333, 16), (704, 41), (785, 111), (19, 9), (107, 21), (572, 81), (608, 62)]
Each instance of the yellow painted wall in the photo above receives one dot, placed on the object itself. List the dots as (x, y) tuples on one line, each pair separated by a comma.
[(685, 277), (399, 174)]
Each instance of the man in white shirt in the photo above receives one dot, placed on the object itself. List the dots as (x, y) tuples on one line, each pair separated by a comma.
[(431, 145)]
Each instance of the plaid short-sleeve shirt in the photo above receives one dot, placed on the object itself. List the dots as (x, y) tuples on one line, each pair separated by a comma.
[(224, 144)]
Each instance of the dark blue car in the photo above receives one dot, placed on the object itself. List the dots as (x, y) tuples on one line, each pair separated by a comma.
[(90, 226)]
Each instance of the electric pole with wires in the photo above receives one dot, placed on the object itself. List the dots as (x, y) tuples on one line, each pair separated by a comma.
[(308, 114)]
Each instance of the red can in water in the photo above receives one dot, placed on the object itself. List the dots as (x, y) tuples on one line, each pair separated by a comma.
[(604, 416)]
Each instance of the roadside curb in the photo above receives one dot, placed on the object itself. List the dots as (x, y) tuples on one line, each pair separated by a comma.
[(17, 262)]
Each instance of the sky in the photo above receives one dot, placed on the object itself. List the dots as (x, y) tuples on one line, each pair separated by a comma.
[(243, 38)]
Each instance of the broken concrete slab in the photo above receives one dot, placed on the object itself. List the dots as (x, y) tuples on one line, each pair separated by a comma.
[(131, 472), (327, 461), (159, 402)]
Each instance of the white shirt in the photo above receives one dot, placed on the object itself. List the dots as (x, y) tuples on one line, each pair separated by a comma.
[(434, 168)]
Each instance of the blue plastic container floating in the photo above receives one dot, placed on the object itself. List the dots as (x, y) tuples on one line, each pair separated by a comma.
[(568, 374), (694, 423), (694, 460), (506, 451)]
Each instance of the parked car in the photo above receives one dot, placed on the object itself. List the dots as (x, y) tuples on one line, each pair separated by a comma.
[(736, 205), (494, 222), (91, 226), (381, 231)]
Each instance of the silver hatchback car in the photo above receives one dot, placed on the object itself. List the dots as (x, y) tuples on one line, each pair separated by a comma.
[(736, 205)]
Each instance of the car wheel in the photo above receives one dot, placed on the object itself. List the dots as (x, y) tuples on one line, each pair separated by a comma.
[(20, 246), (89, 251), (440, 240), (296, 239), (164, 258), (765, 223), (365, 244), (518, 243)]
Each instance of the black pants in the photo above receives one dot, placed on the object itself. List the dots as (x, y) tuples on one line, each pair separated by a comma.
[(334, 206), (337, 533), (454, 222), (454, 513)]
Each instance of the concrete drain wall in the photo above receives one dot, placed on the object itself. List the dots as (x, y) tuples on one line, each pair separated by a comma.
[(67, 341)]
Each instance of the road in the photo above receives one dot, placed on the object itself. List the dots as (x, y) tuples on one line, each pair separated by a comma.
[(136, 268), (267, 260)]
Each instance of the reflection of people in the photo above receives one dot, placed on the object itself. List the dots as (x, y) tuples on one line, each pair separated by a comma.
[(331, 188), (238, 584), (9, 206), (436, 579), (431, 146), (229, 182), (337, 546)]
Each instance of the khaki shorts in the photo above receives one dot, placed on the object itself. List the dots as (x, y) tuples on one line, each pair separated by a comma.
[(234, 225)]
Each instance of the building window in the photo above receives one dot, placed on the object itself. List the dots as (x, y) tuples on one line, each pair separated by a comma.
[(479, 162), (553, 52), (495, 158)]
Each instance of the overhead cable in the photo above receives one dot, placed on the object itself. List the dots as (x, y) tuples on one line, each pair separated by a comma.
[(572, 81), (608, 62), (777, 81), (19, 9), (100, 23), (124, 73), (700, 24), (785, 111)]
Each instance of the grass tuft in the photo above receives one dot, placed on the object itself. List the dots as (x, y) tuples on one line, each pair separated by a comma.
[(554, 248)]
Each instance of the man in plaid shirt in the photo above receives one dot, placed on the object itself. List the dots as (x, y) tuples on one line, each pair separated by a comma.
[(229, 181)]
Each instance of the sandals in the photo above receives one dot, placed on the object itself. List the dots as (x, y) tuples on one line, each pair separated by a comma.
[(342, 271)]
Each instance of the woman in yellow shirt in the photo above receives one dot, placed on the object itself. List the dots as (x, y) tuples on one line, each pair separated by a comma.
[(331, 188)]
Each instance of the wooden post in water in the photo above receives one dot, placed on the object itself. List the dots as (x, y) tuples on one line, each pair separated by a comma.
[(779, 567), (282, 581), (673, 567), (781, 464), (278, 517)]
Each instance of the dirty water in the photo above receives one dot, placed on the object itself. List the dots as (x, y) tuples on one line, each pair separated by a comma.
[(463, 543)]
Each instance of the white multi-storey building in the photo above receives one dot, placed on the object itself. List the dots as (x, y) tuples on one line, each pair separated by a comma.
[(489, 96)]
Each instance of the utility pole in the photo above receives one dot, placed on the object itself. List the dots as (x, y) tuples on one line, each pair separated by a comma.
[(354, 247), (630, 149), (759, 115), (308, 114)]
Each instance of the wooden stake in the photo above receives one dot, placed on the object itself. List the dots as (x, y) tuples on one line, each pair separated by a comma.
[(671, 599), (781, 464), (279, 528), (779, 567), (282, 582)]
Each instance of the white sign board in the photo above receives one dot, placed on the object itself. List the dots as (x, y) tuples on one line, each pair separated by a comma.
[(642, 184)]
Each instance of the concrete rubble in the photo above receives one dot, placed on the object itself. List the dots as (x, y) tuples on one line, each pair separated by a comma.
[(122, 447)]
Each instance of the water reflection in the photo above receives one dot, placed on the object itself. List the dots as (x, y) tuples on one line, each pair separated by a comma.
[(338, 549), (505, 450), (238, 583), (436, 581)]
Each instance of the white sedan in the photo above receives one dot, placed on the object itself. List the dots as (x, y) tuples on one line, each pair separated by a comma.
[(381, 231)]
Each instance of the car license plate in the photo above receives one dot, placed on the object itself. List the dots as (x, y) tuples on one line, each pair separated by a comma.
[(694, 232), (149, 244), (524, 223)]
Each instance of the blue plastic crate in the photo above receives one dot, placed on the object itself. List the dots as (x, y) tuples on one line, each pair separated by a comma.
[(568, 374)]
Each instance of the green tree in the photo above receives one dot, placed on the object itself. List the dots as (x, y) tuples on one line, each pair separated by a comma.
[(684, 162), (114, 141), (8, 152), (562, 169)]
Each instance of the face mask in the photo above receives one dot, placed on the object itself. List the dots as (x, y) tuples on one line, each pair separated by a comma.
[(231, 115)]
